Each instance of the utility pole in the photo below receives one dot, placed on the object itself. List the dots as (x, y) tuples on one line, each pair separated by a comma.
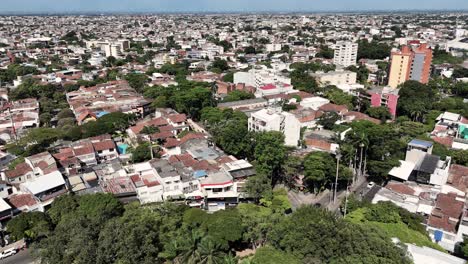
[(346, 201), (359, 175), (338, 157)]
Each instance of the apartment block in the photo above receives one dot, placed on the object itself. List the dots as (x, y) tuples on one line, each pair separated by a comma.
[(345, 54), (276, 120), (410, 64), (335, 77)]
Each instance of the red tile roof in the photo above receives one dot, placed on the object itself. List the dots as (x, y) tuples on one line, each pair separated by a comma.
[(458, 177), (104, 145), (446, 141), (400, 188), (447, 207), (21, 200), (177, 118), (334, 108), (20, 170)]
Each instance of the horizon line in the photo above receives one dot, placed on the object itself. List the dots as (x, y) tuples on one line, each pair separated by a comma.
[(357, 11)]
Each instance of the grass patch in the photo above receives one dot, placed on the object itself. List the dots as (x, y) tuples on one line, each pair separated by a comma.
[(399, 230)]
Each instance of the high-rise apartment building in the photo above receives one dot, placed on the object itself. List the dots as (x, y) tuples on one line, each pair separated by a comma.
[(410, 64), (345, 54)]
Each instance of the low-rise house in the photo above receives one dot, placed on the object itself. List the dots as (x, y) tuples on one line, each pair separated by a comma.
[(47, 187), (24, 202), (451, 130), (148, 188), (421, 166), (444, 219)]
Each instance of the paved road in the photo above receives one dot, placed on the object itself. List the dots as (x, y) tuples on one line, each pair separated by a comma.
[(21, 258)]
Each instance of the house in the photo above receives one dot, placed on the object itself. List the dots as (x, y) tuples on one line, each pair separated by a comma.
[(148, 188), (444, 219), (47, 187), (219, 191), (421, 166), (24, 202), (338, 109), (104, 147), (6, 211)]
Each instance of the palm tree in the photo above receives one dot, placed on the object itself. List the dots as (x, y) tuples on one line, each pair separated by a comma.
[(188, 251), (209, 252), (230, 259)]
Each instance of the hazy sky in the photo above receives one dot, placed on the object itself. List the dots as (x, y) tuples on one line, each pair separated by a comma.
[(224, 5)]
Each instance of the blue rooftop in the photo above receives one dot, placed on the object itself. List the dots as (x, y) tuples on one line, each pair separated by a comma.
[(101, 114), (421, 143), (199, 173), (122, 148)]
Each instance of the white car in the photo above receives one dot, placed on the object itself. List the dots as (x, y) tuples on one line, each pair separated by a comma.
[(370, 185), (8, 253)]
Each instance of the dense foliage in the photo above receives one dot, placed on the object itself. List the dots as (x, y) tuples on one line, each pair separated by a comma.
[(98, 229)]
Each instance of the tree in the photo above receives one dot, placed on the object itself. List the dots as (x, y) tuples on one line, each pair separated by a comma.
[(291, 169), (136, 80), (325, 52), (250, 50), (315, 236), (339, 97), (257, 222), (193, 101), (148, 130), (228, 77), (328, 120), (373, 50), (319, 170), (258, 186), (380, 113), (142, 152), (301, 80), (271, 255), (416, 100), (270, 153), (29, 225), (65, 113), (220, 64)]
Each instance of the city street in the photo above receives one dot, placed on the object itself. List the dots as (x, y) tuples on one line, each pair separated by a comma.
[(21, 257)]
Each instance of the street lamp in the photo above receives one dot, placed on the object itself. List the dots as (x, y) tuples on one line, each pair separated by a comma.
[(359, 175), (338, 157)]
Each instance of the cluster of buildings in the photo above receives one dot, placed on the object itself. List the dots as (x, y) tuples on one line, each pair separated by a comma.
[(16, 117), (431, 186), (187, 168), (90, 103)]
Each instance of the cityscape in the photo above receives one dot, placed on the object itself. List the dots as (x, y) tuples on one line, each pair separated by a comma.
[(233, 134)]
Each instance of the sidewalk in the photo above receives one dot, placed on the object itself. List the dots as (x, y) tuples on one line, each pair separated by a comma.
[(16, 245)]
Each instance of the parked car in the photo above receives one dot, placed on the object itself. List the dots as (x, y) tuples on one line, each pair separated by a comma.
[(370, 185), (8, 253)]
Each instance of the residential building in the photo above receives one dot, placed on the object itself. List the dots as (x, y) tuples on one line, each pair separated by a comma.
[(345, 54), (410, 64), (335, 77), (421, 166), (386, 97), (276, 120)]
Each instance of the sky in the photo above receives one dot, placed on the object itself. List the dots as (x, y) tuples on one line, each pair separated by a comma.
[(33, 6)]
